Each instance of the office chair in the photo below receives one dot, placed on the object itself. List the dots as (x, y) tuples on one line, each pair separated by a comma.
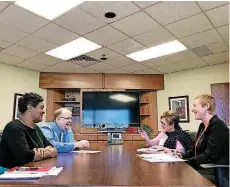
[(221, 173)]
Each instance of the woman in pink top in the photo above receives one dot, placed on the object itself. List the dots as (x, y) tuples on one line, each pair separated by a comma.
[(171, 136)]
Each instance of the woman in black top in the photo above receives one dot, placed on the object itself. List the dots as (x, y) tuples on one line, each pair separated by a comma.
[(22, 140), (212, 142)]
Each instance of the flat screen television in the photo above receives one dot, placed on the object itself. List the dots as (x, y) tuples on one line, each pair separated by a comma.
[(114, 109)]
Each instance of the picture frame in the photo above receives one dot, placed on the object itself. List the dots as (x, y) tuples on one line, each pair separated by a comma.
[(16, 113), (76, 111), (180, 104)]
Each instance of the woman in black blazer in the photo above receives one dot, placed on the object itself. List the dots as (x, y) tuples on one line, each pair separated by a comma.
[(212, 141)]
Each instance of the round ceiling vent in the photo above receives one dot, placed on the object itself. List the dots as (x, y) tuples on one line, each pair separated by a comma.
[(103, 57), (110, 15)]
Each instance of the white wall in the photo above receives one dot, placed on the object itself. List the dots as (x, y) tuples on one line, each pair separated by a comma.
[(192, 83), (15, 80)]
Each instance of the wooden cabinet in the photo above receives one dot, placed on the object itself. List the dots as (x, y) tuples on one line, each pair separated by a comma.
[(70, 80), (148, 109), (131, 81)]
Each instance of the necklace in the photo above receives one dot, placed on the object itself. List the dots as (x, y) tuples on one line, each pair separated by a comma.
[(25, 123)]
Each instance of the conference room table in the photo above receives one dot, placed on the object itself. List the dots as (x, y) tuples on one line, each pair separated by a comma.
[(115, 165)]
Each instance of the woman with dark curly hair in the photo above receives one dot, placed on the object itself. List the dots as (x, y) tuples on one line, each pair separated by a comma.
[(171, 136), (22, 140)]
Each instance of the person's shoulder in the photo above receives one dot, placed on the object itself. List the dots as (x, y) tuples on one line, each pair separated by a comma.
[(49, 125), (218, 123), (15, 124)]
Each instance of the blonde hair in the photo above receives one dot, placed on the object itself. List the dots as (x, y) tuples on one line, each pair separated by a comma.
[(171, 117), (58, 112), (207, 99)]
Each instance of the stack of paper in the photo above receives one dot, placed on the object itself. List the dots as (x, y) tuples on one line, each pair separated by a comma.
[(160, 158), (27, 173), (86, 151)]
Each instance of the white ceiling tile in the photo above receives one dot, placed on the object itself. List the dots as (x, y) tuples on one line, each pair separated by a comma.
[(99, 8), (218, 47), (206, 5), (156, 62), (78, 21), (106, 36), (145, 4), (148, 71), (97, 54), (66, 67), (202, 38), (155, 37), (182, 65), (134, 67), (37, 44), (31, 65), (51, 69), (46, 59), (10, 34), (84, 70), (22, 19), (189, 26), (129, 24), (219, 16), (116, 71), (120, 61), (4, 44), (20, 52), (217, 58), (8, 59), (101, 66), (126, 46), (3, 5), (56, 34), (224, 32), (183, 55), (170, 11)]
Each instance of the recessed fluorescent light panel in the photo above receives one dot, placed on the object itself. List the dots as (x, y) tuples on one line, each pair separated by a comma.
[(73, 49), (157, 51), (122, 98), (48, 9)]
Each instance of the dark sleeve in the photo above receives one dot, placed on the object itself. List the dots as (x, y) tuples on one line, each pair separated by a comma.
[(216, 142), (191, 152), (44, 139), (16, 141)]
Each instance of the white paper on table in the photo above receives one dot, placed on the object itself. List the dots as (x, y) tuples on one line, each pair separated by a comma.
[(25, 176), (86, 151), (54, 171), (160, 158)]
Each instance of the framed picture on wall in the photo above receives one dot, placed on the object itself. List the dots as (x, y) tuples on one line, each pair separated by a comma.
[(180, 104), (15, 109)]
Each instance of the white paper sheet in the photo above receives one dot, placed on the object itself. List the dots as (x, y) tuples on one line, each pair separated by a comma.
[(86, 151), (54, 171), (160, 158)]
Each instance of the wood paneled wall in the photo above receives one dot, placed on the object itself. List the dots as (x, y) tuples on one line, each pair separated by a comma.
[(101, 81)]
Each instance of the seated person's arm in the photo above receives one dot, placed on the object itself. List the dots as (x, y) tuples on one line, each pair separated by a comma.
[(179, 147), (150, 142), (216, 142), (61, 147)]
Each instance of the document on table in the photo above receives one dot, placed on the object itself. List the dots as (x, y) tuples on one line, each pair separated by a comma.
[(22, 175), (154, 158), (86, 151)]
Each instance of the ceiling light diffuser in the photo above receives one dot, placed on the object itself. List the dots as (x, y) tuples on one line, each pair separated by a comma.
[(48, 9), (157, 51), (73, 49)]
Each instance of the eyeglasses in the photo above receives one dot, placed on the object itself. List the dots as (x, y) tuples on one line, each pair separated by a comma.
[(68, 118)]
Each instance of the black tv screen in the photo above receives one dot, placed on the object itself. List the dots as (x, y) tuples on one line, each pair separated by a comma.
[(115, 109)]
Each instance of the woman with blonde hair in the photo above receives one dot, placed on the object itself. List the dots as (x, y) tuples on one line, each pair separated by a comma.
[(212, 141), (172, 136)]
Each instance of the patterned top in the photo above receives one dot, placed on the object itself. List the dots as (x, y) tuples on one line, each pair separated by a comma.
[(183, 137)]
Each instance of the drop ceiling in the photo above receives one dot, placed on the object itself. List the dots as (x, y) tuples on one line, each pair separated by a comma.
[(202, 26)]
